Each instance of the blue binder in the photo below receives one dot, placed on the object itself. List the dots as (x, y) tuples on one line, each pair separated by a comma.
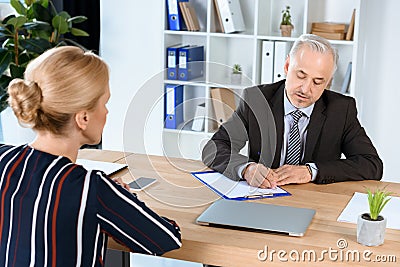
[(191, 62), (175, 19), (173, 106), (173, 61)]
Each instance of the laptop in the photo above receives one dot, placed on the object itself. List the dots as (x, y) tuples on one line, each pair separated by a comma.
[(257, 216)]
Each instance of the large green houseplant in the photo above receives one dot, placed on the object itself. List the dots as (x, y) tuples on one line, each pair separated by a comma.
[(37, 27)]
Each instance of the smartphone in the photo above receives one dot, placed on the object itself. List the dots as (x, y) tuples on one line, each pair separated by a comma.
[(141, 183)]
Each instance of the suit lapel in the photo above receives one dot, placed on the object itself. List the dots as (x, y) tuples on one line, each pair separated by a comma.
[(277, 110), (317, 120)]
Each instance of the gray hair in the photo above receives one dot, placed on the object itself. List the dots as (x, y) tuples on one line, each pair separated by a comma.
[(316, 43)]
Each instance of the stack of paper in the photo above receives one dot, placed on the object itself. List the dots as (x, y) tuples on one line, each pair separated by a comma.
[(358, 204)]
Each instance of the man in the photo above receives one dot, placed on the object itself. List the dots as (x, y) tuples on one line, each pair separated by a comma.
[(297, 130)]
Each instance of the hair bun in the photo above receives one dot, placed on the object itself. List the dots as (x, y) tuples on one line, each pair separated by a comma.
[(25, 100)]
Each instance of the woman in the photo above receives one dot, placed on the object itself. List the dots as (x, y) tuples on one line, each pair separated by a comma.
[(52, 211)]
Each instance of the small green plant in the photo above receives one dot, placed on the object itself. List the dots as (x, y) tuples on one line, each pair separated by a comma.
[(377, 201), (237, 69), (286, 17)]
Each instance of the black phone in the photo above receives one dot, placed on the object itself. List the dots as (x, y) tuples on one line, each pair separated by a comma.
[(141, 183)]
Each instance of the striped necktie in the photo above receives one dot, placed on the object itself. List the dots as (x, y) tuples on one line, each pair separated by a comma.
[(294, 146)]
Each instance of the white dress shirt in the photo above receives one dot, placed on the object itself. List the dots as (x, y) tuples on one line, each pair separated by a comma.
[(302, 124)]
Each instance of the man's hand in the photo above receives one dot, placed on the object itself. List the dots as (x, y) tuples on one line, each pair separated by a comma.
[(259, 176), (292, 174)]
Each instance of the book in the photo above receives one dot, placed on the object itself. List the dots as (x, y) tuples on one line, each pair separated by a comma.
[(219, 26), (189, 16), (331, 27), (346, 80), (107, 167), (330, 35), (185, 15), (193, 17), (223, 101), (350, 31)]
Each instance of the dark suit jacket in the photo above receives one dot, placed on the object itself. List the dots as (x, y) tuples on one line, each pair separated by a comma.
[(333, 129)]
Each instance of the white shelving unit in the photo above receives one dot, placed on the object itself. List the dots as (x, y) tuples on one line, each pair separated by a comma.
[(222, 51)]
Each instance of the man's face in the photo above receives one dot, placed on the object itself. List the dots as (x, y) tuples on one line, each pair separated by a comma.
[(307, 75)]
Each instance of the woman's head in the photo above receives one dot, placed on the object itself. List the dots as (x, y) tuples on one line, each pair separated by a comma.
[(57, 85)]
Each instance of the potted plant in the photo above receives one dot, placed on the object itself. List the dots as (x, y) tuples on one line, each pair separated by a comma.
[(37, 27), (371, 226), (286, 23), (236, 77)]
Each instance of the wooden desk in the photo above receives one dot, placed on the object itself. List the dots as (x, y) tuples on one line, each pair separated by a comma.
[(181, 197)]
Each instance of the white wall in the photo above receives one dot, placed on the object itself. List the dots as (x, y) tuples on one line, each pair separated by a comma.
[(131, 44), (378, 94)]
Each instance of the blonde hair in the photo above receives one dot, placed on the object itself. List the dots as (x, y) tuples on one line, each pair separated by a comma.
[(57, 84)]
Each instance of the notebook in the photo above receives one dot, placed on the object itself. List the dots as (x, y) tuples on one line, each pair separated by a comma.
[(107, 167), (257, 216)]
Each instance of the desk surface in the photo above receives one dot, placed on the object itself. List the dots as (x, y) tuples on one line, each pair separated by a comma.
[(181, 197)]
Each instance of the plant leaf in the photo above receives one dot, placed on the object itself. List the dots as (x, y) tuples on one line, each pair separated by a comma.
[(65, 15), (16, 71), (29, 2), (38, 26), (60, 24), (4, 81), (77, 19), (41, 13), (17, 22), (44, 3), (35, 45), (377, 201), (18, 6), (25, 58), (78, 32), (5, 59), (3, 102), (6, 19)]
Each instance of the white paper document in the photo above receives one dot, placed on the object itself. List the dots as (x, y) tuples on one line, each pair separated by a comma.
[(230, 189), (107, 167), (358, 204)]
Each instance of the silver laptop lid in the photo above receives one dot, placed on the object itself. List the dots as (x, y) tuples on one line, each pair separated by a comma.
[(258, 216)]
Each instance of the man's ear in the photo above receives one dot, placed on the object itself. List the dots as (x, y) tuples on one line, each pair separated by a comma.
[(286, 66), (82, 119)]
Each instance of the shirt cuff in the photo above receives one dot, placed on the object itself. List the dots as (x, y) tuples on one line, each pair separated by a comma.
[(241, 168), (314, 170)]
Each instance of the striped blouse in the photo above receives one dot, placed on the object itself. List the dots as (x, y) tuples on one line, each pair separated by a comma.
[(56, 213)]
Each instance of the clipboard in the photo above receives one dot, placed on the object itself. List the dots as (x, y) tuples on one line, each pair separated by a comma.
[(236, 190)]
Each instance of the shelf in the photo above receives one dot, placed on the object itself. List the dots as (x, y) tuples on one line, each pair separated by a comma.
[(185, 33), (179, 131), (262, 21), (276, 38), (232, 35), (194, 82)]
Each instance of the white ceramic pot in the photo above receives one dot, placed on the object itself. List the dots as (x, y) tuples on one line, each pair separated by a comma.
[(370, 233), (13, 132), (236, 78)]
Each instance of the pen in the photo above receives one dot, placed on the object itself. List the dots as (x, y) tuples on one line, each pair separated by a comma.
[(260, 195)]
